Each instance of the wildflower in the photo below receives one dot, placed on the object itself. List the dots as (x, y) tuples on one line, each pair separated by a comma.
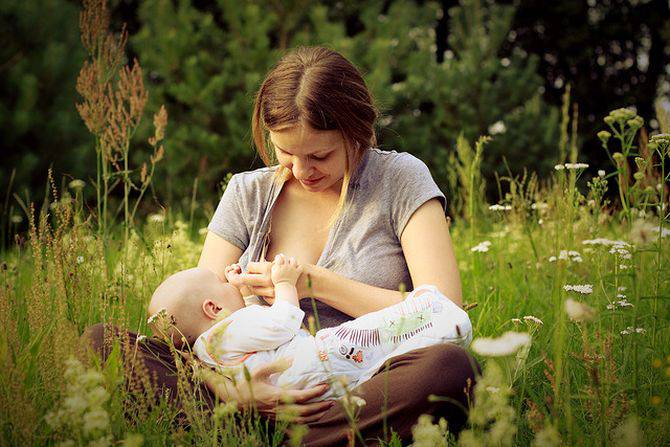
[(661, 138), (601, 173), (567, 255), (635, 122), (16, 219), (618, 157), (633, 330), (497, 128), (604, 136), (161, 313), (497, 207), (76, 184), (584, 289), (664, 231), (547, 437), (507, 344), (133, 440), (622, 115), (427, 434), (141, 338), (482, 247), (95, 421), (80, 259), (156, 218), (532, 319), (224, 410), (539, 206), (623, 267), (605, 242), (578, 312), (575, 166), (516, 320), (621, 251), (559, 167), (621, 289)]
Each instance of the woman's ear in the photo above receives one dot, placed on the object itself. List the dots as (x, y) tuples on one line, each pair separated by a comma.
[(211, 308)]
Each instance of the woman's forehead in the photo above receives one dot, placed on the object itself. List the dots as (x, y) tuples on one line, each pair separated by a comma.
[(303, 139)]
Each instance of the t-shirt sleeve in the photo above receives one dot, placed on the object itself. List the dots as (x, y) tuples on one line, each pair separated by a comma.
[(413, 185), (229, 218)]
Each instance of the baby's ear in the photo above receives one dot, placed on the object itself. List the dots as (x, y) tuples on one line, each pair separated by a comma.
[(210, 308)]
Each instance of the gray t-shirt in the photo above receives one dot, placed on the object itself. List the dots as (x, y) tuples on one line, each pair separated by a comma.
[(364, 243)]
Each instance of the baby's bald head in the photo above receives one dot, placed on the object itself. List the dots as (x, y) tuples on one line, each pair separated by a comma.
[(193, 298)]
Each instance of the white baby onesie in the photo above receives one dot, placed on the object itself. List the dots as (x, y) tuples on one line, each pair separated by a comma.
[(352, 351)]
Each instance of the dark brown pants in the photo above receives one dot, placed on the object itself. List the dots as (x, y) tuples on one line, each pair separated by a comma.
[(442, 370)]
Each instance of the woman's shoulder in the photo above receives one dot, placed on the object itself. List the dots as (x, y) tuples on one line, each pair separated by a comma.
[(253, 182), (393, 164)]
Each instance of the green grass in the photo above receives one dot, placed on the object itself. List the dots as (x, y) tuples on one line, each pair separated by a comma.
[(584, 382)]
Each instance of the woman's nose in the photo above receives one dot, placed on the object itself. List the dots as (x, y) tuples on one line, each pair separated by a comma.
[(301, 168)]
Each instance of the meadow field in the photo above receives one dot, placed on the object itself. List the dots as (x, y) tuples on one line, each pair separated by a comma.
[(566, 279), (568, 296)]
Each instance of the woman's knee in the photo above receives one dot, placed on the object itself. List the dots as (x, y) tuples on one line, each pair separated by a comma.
[(94, 338), (456, 368)]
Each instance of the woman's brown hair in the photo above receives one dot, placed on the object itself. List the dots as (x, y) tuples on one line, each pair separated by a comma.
[(319, 87)]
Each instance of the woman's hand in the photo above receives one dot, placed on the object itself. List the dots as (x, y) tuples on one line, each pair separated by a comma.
[(269, 400), (258, 279)]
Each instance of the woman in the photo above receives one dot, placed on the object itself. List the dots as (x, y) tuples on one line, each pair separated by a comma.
[(362, 222)]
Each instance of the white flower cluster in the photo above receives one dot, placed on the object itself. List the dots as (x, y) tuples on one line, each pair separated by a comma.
[(162, 313), (427, 434), (497, 128), (156, 218), (539, 206), (622, 251), (531, 321), (605, 242), (82, 414), (584, 289), (498, 207), (571, 166), (633, 330), (621, 302), (482, 247), (567, 255), (508, 343), (578, 312), (492, 420)]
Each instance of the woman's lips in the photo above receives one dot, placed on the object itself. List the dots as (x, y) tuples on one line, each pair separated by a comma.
[(312, 182)]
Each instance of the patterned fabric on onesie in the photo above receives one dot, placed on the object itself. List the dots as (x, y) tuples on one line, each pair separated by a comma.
[(355, 350)]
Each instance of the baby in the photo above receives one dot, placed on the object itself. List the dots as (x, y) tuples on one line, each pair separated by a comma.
[(254, 335)]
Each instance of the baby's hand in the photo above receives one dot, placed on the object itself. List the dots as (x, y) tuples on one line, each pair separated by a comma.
[(232, 273), (285, 269)]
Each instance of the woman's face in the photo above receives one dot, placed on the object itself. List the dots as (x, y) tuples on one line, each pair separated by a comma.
[(315, 157)]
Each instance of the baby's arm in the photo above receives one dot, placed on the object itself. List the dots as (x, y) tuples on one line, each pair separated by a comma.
[(285, 273), (254, 328)]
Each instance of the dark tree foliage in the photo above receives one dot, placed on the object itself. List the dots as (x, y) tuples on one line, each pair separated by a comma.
[(614, 53)]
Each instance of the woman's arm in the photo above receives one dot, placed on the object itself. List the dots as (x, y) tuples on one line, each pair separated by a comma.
[(428, 252), (430, 259), (217, 253), (268, 399)]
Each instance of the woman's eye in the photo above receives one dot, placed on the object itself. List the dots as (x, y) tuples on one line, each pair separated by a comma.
[(322, 157)]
